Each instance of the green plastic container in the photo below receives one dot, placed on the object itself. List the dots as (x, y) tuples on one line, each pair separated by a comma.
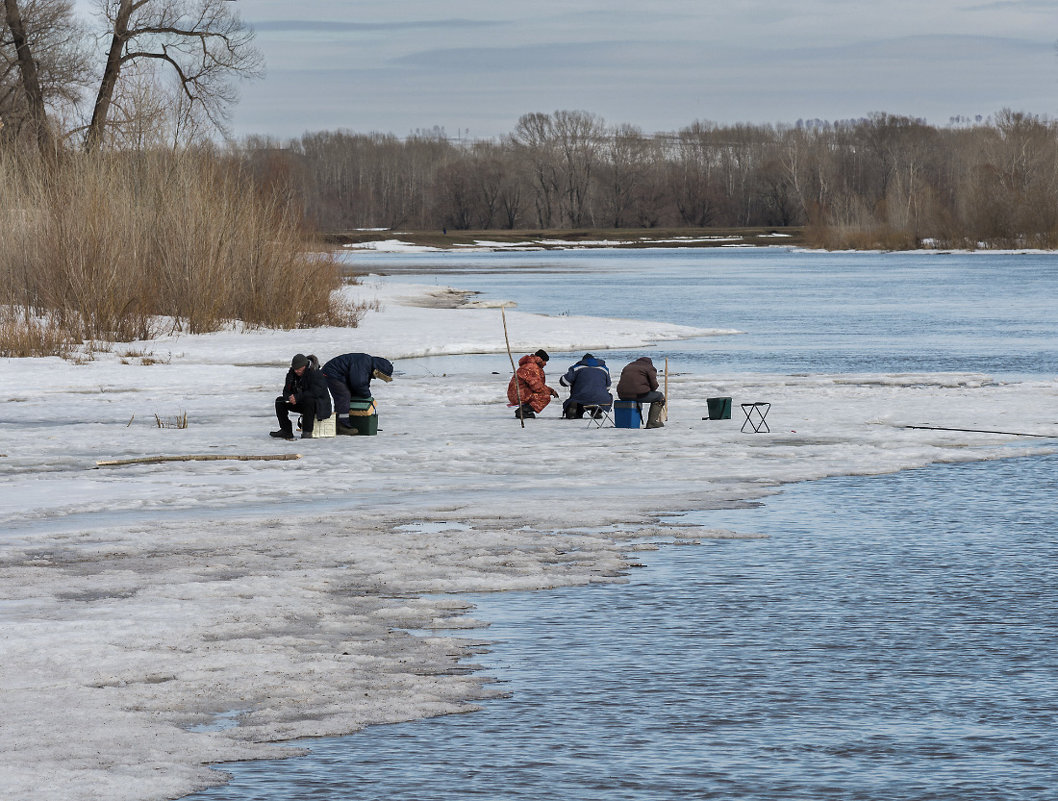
[(719, 408), (363, 416)]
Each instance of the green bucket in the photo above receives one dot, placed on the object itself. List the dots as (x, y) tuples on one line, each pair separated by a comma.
[(363, 416), (719, 408)]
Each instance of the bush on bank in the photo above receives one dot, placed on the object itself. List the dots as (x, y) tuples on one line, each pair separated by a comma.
[(120, 246)]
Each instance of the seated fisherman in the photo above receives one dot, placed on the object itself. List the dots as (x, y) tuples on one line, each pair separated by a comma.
[(349, 376), (639, 382), (589, 384), (304, 392)]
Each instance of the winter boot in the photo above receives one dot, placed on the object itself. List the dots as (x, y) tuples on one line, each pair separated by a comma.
[(525, 412), (345, 427), (654, 417), (282, 434)]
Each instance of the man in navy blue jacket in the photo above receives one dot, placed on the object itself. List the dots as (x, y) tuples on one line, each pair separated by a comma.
[(349, 376), (589, 384)]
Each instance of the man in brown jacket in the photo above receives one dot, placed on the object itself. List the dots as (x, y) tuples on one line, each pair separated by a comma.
[(639, 382)]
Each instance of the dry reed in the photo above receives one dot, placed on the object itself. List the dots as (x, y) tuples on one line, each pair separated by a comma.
[(122, 246)]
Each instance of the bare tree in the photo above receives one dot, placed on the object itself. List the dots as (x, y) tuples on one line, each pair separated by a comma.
[(512, 186), (456, 194), (776, 194), (534, 135), (624, 169), (694, 185), (28, 69), (203, 43), (43, 64), (579, 136)]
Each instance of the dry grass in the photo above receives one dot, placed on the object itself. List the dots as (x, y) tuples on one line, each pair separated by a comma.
[(145, 357), (22, 335), (178, 421), (107, 248), (855, 237)]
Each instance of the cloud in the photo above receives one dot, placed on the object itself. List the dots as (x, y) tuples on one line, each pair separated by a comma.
[(1015, 5), (331, 26), (542, 57), (680, 59), (401, 83)]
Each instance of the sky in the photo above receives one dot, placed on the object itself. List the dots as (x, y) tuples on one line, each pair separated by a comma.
[(473, 68)]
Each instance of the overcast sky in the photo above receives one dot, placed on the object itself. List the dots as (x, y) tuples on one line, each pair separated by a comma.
[(474, 67)]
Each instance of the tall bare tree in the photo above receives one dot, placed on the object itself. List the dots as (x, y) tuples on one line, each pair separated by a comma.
[(30, 80), (534, 135), (202, 43), (579, 136), (626, 160), (43, 64)]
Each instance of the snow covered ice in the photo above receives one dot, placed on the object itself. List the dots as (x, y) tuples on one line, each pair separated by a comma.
[(144, 609)]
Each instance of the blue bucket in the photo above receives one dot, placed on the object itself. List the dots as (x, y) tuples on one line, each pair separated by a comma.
[(626, 414)]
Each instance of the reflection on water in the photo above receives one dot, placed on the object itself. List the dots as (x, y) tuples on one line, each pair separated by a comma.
[(893, 638)]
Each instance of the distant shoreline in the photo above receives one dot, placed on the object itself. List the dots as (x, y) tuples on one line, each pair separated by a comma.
[(396, 241), (556, 239)]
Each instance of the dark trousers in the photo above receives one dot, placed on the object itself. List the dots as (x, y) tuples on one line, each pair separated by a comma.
[(648, 397), (307, 410), (340, 392), (656, 399), (572, 409)]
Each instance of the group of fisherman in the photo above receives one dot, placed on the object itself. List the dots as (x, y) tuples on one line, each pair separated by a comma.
[(309, 389), (589, 387)]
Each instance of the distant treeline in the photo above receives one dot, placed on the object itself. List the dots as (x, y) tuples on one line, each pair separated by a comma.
[(883, 181)]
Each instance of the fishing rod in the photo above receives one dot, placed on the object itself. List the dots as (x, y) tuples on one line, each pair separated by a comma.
[(986, 431), (517, 385)]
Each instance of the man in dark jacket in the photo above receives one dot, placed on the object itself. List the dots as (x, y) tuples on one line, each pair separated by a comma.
[(589, 384), (304, 392), (639, 382), (349, 376)]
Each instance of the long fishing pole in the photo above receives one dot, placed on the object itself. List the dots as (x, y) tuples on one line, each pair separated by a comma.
[(665, 408), (986, 431), (517, 383)]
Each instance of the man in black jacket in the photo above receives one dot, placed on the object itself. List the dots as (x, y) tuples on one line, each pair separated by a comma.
[(305, 392)]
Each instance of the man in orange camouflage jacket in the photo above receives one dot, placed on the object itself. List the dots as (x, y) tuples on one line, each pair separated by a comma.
[(529, 385)]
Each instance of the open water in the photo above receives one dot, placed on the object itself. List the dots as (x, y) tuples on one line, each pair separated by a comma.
[(890, 637), (800, 312)]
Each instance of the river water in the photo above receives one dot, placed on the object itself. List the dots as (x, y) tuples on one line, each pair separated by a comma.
[(800, 312), (888, 637)]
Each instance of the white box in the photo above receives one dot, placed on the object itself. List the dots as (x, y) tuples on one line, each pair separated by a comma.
[(325, 428)]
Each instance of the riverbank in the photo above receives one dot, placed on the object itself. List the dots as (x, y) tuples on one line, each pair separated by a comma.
[(562, 239), (146, 609)]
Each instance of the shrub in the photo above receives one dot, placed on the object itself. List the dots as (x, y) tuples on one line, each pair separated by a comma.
[(106, 246), (22, 335)]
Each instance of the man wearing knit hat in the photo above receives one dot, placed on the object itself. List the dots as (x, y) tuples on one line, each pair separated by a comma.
[(528, 386), (304, 392)]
